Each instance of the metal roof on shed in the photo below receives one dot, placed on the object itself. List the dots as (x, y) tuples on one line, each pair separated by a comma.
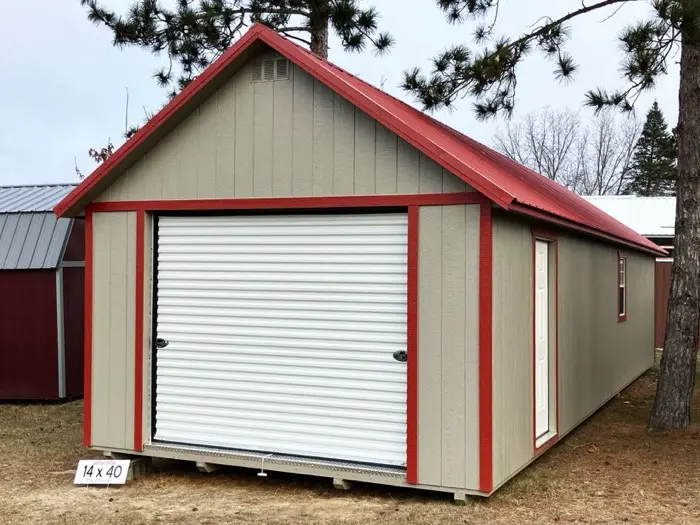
[(31, 236), (26, 199)]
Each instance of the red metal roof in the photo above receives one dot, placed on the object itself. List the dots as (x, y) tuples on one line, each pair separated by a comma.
[(504, 181)]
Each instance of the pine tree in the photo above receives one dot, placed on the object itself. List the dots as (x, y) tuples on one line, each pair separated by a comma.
[(196, 32), (490, 76), (653, 170)]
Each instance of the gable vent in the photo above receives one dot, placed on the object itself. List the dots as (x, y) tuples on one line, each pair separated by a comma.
[(270, 69), (282, 72)]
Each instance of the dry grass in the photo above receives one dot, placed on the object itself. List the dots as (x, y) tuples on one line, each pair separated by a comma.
[(610, 470)]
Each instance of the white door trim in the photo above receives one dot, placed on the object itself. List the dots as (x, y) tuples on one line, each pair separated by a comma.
[(542, 357)]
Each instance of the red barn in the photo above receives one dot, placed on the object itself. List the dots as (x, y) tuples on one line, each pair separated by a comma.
[(42, 266)]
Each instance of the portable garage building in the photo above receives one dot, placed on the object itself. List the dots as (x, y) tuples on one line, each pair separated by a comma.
[(41, 287), (288, 265)]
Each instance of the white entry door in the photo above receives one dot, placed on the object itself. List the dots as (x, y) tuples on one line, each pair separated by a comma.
[(283, 334), (541, 339)]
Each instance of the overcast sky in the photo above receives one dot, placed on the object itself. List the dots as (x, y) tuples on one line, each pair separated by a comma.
[(63, 83)]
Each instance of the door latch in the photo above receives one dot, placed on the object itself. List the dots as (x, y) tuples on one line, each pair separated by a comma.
[(161, 343), (401, 356)]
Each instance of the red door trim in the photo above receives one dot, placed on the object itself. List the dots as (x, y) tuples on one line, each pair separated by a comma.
[(412, 348), (551, 237), (263, 203), (87, 334), (485, 354), (138, 332)]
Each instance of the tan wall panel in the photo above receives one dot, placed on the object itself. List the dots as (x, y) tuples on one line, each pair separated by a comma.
[(303, 116), (263, 129), (365, 154), (597, 355), (387, 149), (512, 347), (147, 325), (448, 346), (206, 152), (113, 329), (284, 138), (343, 147), (245, 151), (225, 154), (324, 125)]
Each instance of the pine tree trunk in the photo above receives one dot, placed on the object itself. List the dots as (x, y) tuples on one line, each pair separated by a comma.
[(318, 27), (677, 379)]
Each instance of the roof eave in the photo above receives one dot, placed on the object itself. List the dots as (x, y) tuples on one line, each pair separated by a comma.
[(553, 219)]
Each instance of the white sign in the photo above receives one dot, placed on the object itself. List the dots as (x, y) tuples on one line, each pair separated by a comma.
[(101, 472)]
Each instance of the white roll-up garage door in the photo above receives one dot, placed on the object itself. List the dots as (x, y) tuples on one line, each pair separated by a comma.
[(284, 334)]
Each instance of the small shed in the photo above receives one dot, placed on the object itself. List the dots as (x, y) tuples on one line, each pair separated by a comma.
[(288, 268), (42, 261)]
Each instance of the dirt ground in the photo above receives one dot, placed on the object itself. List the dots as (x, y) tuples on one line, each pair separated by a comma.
[(610, 470)]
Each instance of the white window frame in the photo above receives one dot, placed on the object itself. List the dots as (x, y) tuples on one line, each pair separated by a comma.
[(621, 285)]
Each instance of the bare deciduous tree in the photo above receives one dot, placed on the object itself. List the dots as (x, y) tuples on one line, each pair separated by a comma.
[(590, 157)]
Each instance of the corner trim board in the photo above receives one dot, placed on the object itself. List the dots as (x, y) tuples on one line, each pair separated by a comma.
[(138, 331), (268, 203), (87, 341), (412, 348), (485, 350)]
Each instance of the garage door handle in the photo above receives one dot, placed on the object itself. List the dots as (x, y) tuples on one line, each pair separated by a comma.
[(401, 356), (161, 343)]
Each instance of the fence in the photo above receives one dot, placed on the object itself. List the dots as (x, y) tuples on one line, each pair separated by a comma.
[(662, 287)]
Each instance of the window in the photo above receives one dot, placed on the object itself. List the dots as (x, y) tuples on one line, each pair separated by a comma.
[(622, 289)]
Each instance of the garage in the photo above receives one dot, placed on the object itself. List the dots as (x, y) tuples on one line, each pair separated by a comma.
[(301, 273), (283, 334)]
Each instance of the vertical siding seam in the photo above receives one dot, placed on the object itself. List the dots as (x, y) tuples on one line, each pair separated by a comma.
[(109, 219), (272, 132), (354, 149), (374, 160), (217, 136), (294, 126), (465, 372), (127, 343), (442, 339), (235, 140), (315, 122), (253, 135), (396, 174)]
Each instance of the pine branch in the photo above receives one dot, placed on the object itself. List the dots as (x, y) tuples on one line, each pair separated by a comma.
[(491, 76)]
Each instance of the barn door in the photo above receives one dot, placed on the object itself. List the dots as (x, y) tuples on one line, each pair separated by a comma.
[(283, 334)]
